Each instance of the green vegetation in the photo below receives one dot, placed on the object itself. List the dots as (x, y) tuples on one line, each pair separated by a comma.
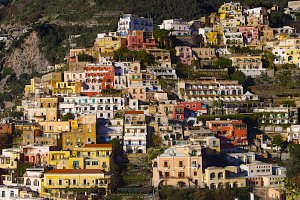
[(86, 58), (280, 144), (123, 54), (67, 117), (173, 193), (279, 19), (222, 63), (292, 165)]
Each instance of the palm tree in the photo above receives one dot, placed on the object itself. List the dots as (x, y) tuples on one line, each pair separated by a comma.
[(181, 184)]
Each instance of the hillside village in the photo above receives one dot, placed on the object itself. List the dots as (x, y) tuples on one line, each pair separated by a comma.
[(201, 109)]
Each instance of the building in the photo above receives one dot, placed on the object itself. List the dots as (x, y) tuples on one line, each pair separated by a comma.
[(135, 132), (33, 178), (89, 156), (209, 89), (102, 106), (58, 180), (6, 129), (178, 164), (184, 54), (277, 115), (10, 159), (138, 39), (98, 77), (107, 43), (257, 168), (204, 53), (82, 132), (66, 88), (233, 39), (293, 133), (232, 133), (130, 22), (227, 177), (249, 65), (231, 14), (256, 16), (177, 27)]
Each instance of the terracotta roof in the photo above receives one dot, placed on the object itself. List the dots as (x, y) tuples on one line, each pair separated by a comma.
[(75, 171), (132, 112), (98, 145)]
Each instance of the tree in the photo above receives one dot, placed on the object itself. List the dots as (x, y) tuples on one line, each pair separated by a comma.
[(238, 76), (277, 142), (222, 63), (67, 117), (157, 141), (86, 58), (181, 184)]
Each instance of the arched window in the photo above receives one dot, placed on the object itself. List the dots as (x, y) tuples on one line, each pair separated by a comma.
[(213, 186), (235, 185), (220, 185), (28, 182), (36, 182), (220, 175), (212, 176)]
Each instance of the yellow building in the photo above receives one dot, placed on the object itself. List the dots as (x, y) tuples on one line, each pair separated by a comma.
[(231, 15), (219, 177), (212, 37), (66, 88), (83, 133), (106, 44), (63, 183), (91, 156), (56, 157), (34, 83), (55, 126), (292, 56)]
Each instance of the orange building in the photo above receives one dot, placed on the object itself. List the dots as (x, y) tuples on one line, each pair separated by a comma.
[(232, 133)]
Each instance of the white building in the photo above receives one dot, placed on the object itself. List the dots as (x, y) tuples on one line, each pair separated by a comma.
[(33, 178), (177, 27), (135, 132), (233, 38), (293, 133), (130, 22), (257, 168), (101, 106)]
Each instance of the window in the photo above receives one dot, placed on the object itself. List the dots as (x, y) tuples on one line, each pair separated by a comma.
[(60, 182), (165, 163), (3, 194), (12, 193), (74, 182), (180, 174), (85, 182), (180, 164), (28, 136), (167, 174), (195, 173), (50, 182), (94, 162)]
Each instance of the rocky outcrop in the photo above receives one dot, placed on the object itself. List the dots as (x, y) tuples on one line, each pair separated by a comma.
[(28, 58)]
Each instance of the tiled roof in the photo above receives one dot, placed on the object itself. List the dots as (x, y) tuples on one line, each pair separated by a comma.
[(133, 112), (75, 171), (98, 145)]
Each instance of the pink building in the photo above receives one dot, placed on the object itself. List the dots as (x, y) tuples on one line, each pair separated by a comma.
[(184, 110), (251, 35), (138, 92), (184, 54), (137, 40), (37, 154)]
